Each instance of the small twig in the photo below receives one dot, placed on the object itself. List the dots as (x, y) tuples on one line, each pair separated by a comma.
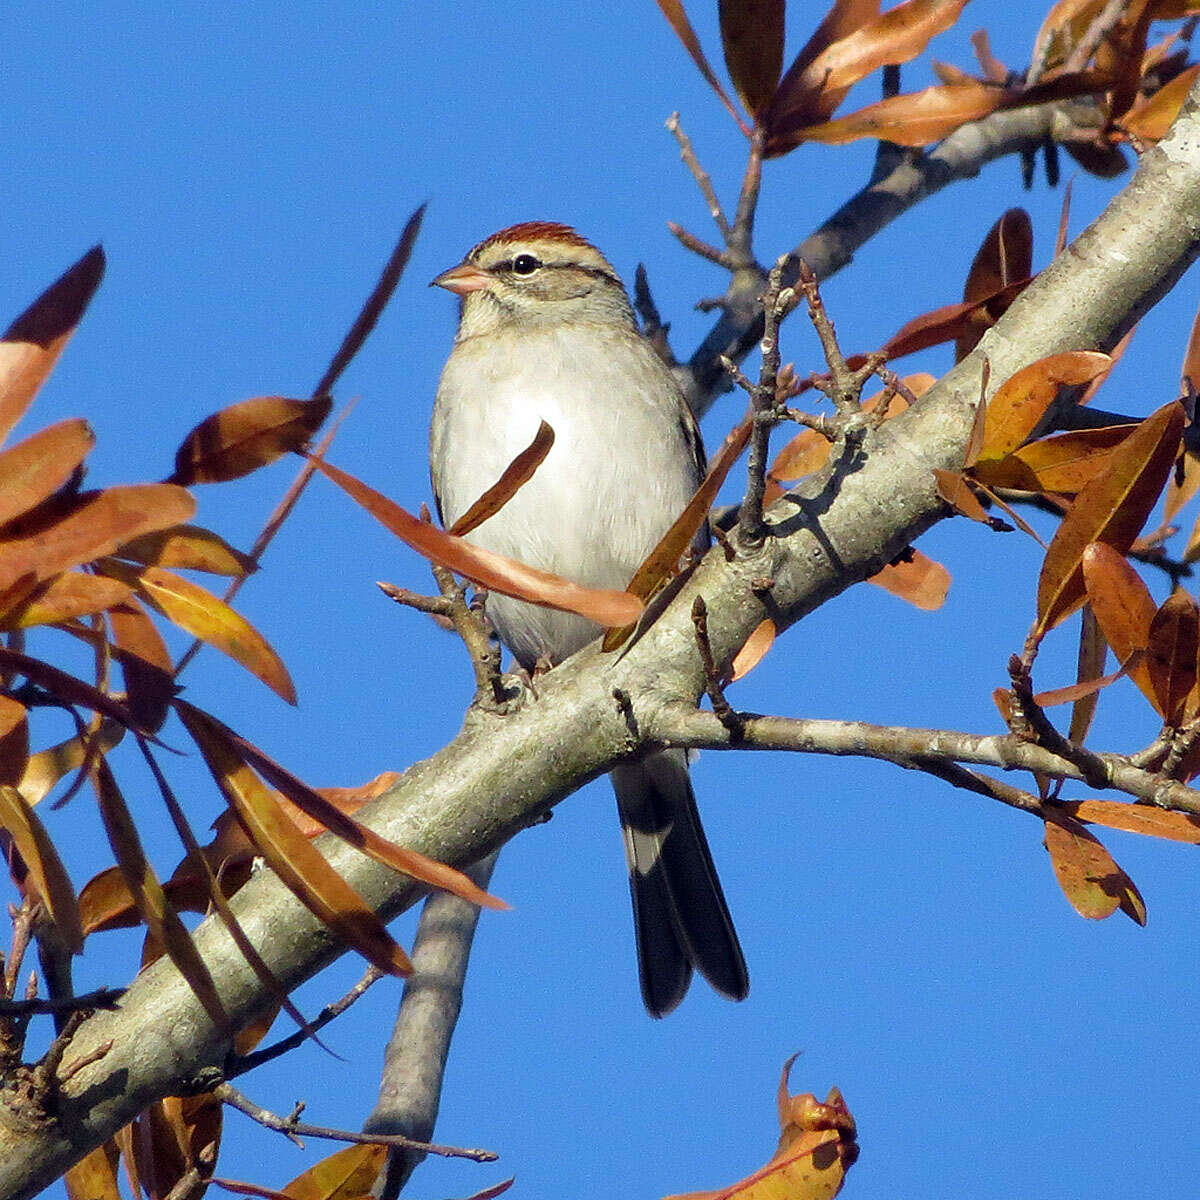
[(1103, 24), (45, 1074), (102, 998), (23, 920), (722, 709), (84, 1060), (701, 176), (740, 239), (654, 329), (625, 708), (704, 249), (247, 1062), (294, 1130), (843, 386)]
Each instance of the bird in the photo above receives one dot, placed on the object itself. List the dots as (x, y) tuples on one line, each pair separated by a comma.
[(546, 333)]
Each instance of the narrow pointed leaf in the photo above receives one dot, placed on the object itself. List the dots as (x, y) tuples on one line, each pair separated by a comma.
[(145, 663), (200, 613), (188, 548), (1137, 818), (1112, 509), (46, 871), (677, 18), (1064, 463), (752, 38), (754, 650), (514, 477), (245, 436), (94, 526), (955, 491), (1124, 609), (949, 322), (34, 469), (289, 853), (31, 346), (14, 740), (1150, 119), (66, 688), (162, 921), (71, 594), (1005, 257), (1093, 653), (47, 767), (493, 571), (1087, 873), (94, 1177), (348, 1174)]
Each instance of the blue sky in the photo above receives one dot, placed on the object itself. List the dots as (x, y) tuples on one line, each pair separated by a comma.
[(248, 168)]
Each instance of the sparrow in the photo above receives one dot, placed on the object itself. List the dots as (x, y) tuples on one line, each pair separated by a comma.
[(546, 333)]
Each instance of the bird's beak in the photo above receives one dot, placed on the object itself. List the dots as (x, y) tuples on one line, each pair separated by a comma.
[(463, 279)]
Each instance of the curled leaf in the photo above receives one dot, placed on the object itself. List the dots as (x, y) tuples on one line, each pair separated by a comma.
[(188, 548), (1087, 873), (518, 473)]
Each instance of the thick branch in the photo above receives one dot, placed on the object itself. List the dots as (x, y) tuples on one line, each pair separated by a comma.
[(502, 773)]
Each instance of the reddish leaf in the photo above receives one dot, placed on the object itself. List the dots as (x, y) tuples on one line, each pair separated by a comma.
[(1102, 160), (188, 548), (518, 473), (1021, 401), (1123, 607), (145, 663), (1084, 689), (201, 614), (913, 119), (678, 19), (752, 38), (34, 469), (1171, 655), (1137, 818), (1111, 509), (1064, 463), (248, 435), (493, 571), (156, 910), (754, 650), (1087, 874), (72, 594), (956, 492), (289, 853), (31, 346), (1005, 257), (1150, 119), (917, 579), (65, 687), (95, 525), (1093, 652), (949, 322)]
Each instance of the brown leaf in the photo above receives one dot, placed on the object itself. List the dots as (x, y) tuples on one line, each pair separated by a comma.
[(918, 579), (1064, 463), (514, 477), (1171, 655), (956, 492), (107, 903), (493, 571), (1093, 653), (335, 819), (47, 874), (31, 346), (168, 1138), (752, 38), (201, 614), (1021, 401), (299, 865), (1063, 26), (349, 1174), (47, 767), (913, 119), (1087, 873), (14, 740), (94, 1177), (162, 921), (949, 322), (71, 594), (36, 468), (65, 687), (1137, 818), (188, 548), (1190, 371), (1102, 160), (1123, 607), (754, 650), (1180, 491), (1084, 689), (1150, 119), (1005, 257), (145, 663), (1111, 509), (245, 436), (673, 10)]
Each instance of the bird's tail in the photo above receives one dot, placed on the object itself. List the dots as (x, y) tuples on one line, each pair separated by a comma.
[(679, 912)]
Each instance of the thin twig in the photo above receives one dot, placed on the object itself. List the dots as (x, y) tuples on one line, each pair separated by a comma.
[(701, 176), (697, 246), (103, 998), (722, 709), (740, 239), (1102, 25), (294, 1129)]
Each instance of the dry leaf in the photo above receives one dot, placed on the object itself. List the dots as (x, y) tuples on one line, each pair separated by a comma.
[(71, 594), (673, 10), (1150, 119), (1093, 653), (754, 650), (1171, 654), (188, 548), (1005, 257), (1063, 464), (918, 579), (1087, 873), (514, 477), (1137, 818), (36, 468), (1123, 608), (752, 38)]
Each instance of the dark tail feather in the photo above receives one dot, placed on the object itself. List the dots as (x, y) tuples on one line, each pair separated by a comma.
[(679, 912)]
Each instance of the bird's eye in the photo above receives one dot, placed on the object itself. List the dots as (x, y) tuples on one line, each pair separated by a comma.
[(525, 264)]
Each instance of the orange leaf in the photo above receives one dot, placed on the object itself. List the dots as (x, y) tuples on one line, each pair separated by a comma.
[(752, 38), (1150, 119), (949, 322), (31, 346), (994, 71), (95, 525), (47, 767), (299, 865), (1005, 257), (1087, 873), (913, 119), (1064, 463), (14, 740), (1123, 607), (162, 921), (518, 473), (1083, 689), (753, 651), (248, 435), (200, 613), (1137, 818), (188, 548), (1180, 491), (94, 1177), (1021, 401), (34, 469), (1111, 509), (493, 571), (678, 19), (956, 492), (1171, 655), (72, 594), (917, 579), (348, 1174), (49, 877)]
